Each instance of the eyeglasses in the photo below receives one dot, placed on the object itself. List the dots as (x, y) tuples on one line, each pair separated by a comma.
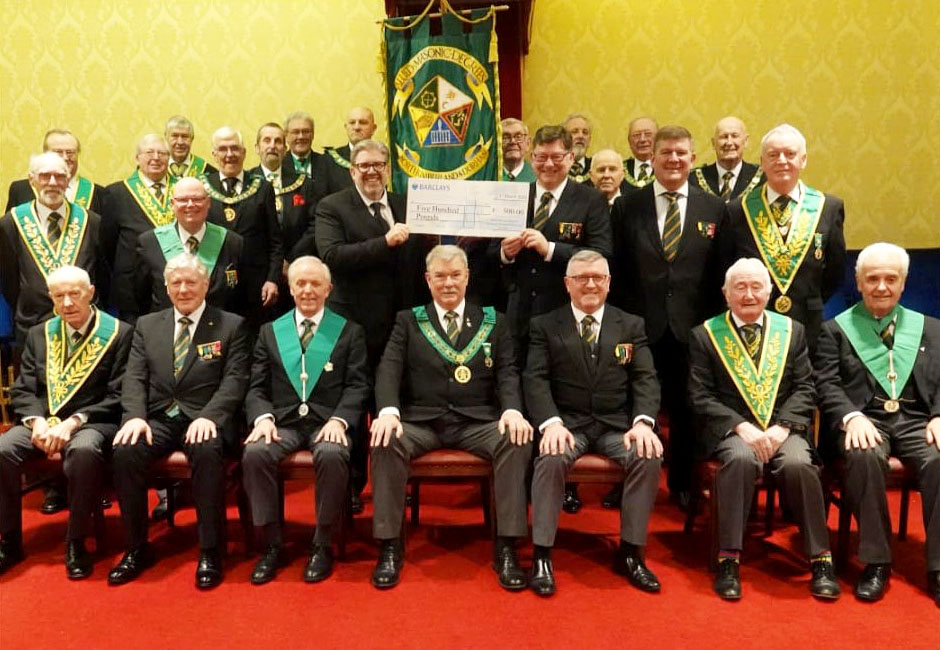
[(150, 153), (556, 158), (584, 280), (514, 137), (187, 200), (364, 167), (66, 153)]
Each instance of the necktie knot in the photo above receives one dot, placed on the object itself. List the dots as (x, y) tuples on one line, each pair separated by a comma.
[(588, 336), (193, 244), (229, 185), (887, 335), (750, 333), (726, 184), (780, 209), (185, 321), (672, 226), (644, 172), (541, 213), (158, 191), (307, 334), (577, 168), (177, 169), (453, 331), (510, 176), (54, 227), (671, 196)]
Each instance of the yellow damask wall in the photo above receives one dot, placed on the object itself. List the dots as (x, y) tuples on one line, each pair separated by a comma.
[(860, 78)]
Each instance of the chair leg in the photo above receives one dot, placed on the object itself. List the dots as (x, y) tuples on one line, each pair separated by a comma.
[(244, 517), (713, 527), (905, 506), (171, 505), (842, 536), (415, 501)]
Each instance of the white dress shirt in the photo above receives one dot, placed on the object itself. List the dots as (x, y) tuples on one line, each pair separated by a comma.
[(662, 205)]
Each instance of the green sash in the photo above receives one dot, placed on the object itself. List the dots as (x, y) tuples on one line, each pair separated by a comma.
[(783, 257), (864, 333), (249, 189), (633, 180), (338, 159), (160, 213), (197, 167), (65, 252), (208, 253), (443, 347), (758, 385), (84, 192), (318, 350), (527, 175), (64, 378)]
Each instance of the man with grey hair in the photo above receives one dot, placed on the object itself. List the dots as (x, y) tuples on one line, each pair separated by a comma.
[(179, 134), (603, 398), (359, 125), (516, 145), (580, 128), (877, 376), (310, 381), (638, 168), (132, 206), (607, 175), (245, 204), (729, 176), (796, 230), (448, 379), (751, 385), (186, 378), (72, 413)]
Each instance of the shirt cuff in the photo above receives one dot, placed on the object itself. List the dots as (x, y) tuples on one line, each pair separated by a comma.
[(339, 419), (262, 417), (548, 422), (551, 251), (845, 420), (390, 410), (516, 411), (82, 418), (503, 258), (645, 418)]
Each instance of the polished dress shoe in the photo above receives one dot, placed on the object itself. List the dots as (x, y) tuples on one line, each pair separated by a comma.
[(542, 578), (873, 582), (53, 502), (267, 565), (355, 504), (131, 565), (572, 502), (11, 554), (506, 565), (933, 586), (388, 568), (320, 564), (208, 569), (629, 564), (728, 580), (78, 564), (824, 584), (611, 500)]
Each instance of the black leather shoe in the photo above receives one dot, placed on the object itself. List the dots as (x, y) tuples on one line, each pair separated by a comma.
[(933, 586), (542, 578), (572, 502), (106, 503), (11, 554), (824, 584), (131, 565), (320, 564), (611, 500), (728, 580), (388, 568), (53, 502), (78, 564), (629, 564), (873, 582), (209, 569), (355, 504), (506, 565), (159, 510), (267, 565)]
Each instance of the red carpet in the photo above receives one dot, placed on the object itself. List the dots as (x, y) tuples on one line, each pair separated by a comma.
[(449, 597)]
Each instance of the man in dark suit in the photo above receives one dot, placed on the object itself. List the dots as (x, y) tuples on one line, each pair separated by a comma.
[(751, 385), (516, 145), (665, 270), (219, 249), (579, 127), (132, 206), (40, 235), (729, 176), (186, 379), (638, 169), (607, 175), (591, 385), (74, 414), (80, 190), (795, 229), (564, 217), (309, 385), (360, 125), (179, 134), (244, 204), (448, 379), (879, 388)]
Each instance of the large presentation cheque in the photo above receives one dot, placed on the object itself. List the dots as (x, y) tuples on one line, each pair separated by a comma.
[(467, 208)]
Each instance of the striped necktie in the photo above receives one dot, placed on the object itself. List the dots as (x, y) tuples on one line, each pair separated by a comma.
[(181, 345), (307, 334), (750, 333), (780, 210), (588, 337), (452, 330), (644, 172), (541, 213), (74, 342), (54, 228), (193, 245), (672, 227), (726, 185), (158, 192)]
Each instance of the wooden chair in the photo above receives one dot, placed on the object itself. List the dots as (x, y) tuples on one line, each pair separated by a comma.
[(452, 466), (298, 466)]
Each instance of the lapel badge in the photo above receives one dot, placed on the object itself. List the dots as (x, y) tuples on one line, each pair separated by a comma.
[(818, 241), (706, 229), (231, 277), (488, 354), (623, 353), (328, 366)]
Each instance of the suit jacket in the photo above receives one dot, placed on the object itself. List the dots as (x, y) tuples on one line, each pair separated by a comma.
[(417, 380), (22, 192), (150, 287), (337, 177), (341, 392), (24, 286), (846, 385), (536, 286), (710, 172), (816, 279), (677, 295), (256, 221), (208, 388), (99, 397), (631, 167), (560, 380), (719, 406)]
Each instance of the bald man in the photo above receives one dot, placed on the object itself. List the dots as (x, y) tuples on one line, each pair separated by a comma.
[(729, 176), (360, 125), (607, 174)]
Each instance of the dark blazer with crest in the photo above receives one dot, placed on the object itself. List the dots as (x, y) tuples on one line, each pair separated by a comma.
[(559, 380), (710, 172)]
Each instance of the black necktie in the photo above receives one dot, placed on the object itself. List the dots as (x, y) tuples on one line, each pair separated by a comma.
[(781, 213), (229, 185), (750, 332), (887, 335), (377, 212), (644, 173)]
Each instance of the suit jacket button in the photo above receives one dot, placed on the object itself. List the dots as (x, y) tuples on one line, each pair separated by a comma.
[(532, 271)]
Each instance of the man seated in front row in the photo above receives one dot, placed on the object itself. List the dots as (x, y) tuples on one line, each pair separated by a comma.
[(309, 385), (879, 386), (751, 385), (448, 379), (186, 378), (591, 384), (74, 412)]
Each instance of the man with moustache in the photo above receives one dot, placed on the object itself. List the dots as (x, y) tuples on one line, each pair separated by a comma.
[(666, 270), (309, 385), (270, 147), (878, 379), (607, 174), (179, 134), (579, 126), (132, 206), (516, 144), (244, 203), (796, 230), (360, 125), (72, 413), (729, 176), (305, 176), (639, 168)]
